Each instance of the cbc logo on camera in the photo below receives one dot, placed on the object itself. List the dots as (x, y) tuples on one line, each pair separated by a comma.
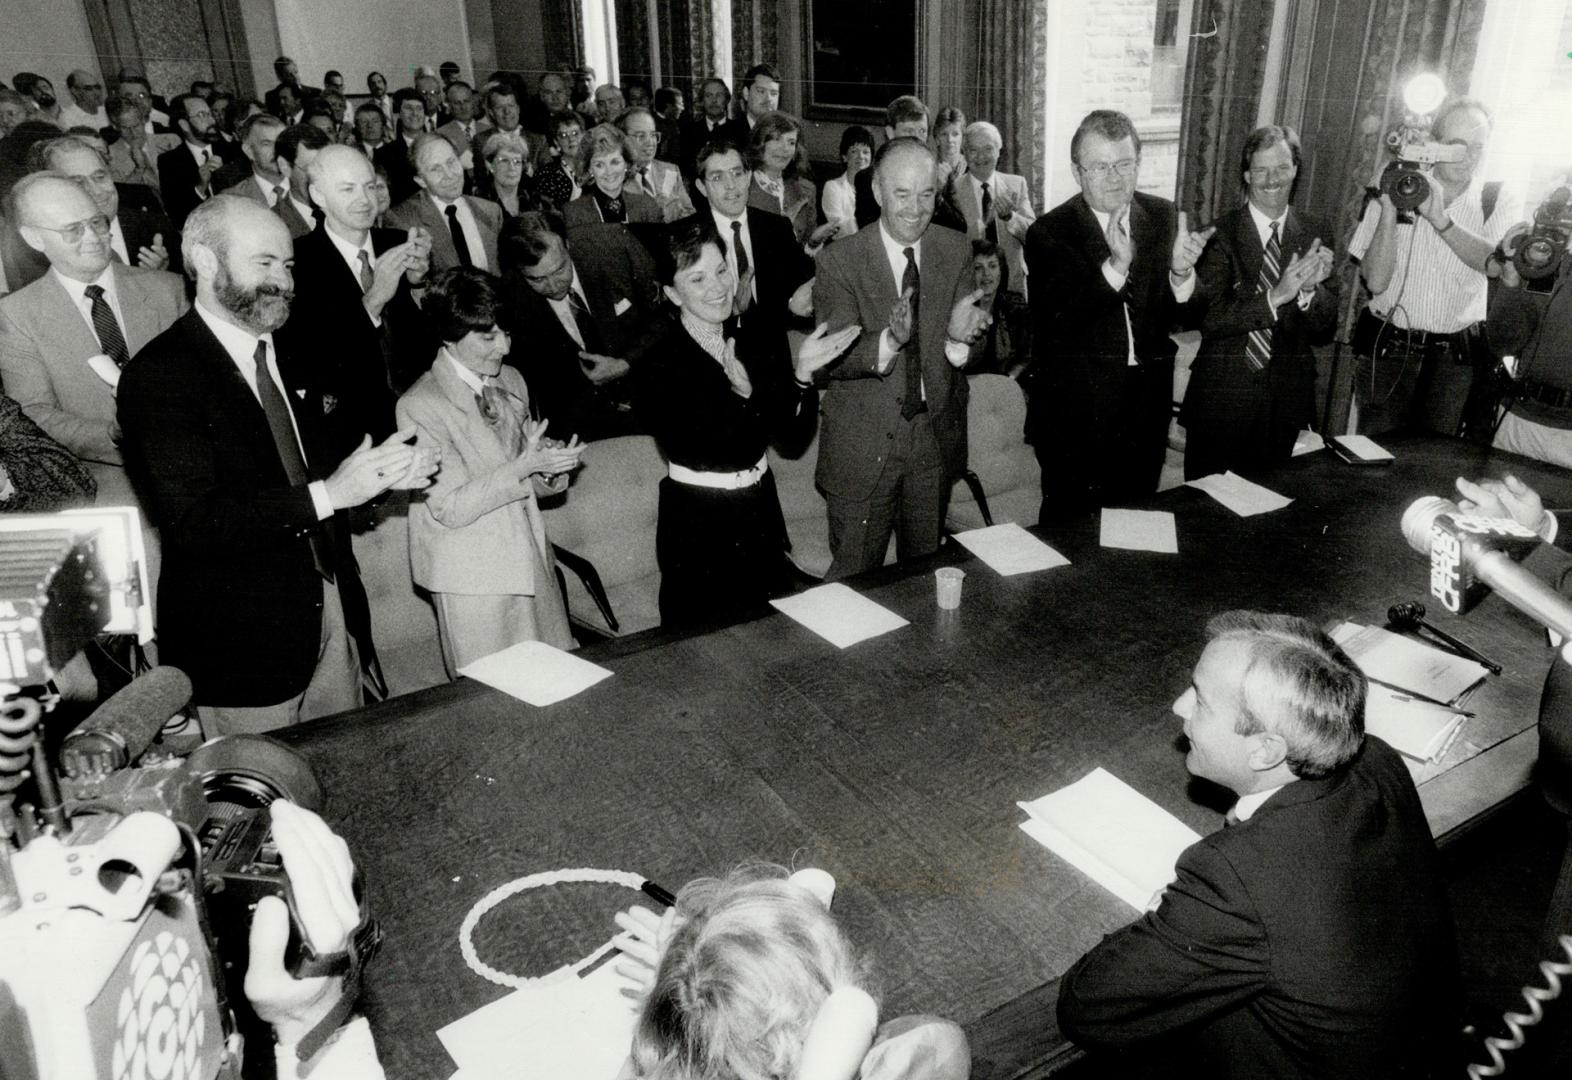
[(162, 1025)]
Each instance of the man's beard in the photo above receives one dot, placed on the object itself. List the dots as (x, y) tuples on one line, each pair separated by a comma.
[(264, 308)]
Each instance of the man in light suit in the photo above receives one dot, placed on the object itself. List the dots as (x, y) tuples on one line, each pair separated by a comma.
[(893, 439), (1109, 268), (996, 205), (463, 228), (1309, 938), (463, 127), (87, 305), (659, 180), (1268, 295), (260, 600), (266, 184)]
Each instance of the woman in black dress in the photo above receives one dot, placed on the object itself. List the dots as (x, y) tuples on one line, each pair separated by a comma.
[(721, 539)]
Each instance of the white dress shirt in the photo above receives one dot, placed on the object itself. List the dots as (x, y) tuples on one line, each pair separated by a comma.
[(267, 187), (117, 241), (241, 345), (73, 115), (723, 226), (564, 310), (1247, 805), (77, 290), (467, 225), (199, 154), (351, 255)]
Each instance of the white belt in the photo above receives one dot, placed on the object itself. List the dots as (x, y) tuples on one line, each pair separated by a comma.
[(727, 481)]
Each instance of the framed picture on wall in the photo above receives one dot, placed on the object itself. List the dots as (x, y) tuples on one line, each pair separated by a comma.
[(861, 54)]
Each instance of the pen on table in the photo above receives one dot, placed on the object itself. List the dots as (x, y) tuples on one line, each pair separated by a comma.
[(658, 894)]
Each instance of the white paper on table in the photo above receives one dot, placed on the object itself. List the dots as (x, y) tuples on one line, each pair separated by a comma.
[(1139, 530), (1240, 495), (1010, 549), (1111, 833), (1308, 442), (561, 1026), (1417, 729), (1403, 662), (839, 614), (1363, 447), (535, 672)]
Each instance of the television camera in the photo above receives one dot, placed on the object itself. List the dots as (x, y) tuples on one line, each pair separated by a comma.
[(127, 876), (1538, 254), (1415, 151)]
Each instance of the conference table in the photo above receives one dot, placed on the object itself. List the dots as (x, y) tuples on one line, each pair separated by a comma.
[(894, 764)]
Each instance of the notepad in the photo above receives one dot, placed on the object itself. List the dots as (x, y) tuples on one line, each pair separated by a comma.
[(1139, 530), (1417, 729), (1111, 833), (560, 1026), (1408, 664), (839, 614), (535, 672), (1240, 495), (1010, 549), (1361, 447)]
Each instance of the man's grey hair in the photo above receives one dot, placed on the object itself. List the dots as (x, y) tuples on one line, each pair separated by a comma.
[(41, 155), (982, 129), (23, 194)]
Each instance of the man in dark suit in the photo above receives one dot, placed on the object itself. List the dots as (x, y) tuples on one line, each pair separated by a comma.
[(761, 94), (354, 328), (893, 440), (285, 100), (1268, 297), (185, 173), (1312, 938), (772, 271), (260, 601), (294, 149), (1109, 268), (463, 228), (707, 124), (586, 304), (409, 118)]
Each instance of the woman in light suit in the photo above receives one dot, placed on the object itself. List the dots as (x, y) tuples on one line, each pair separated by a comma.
[(477, 542)]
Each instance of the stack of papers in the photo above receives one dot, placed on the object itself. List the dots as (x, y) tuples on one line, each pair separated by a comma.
[(560, 1026), (535, 672), (1407, 664), (1111, 833), (1361, 447), (1240, 495), (1139, 530), (1010, 549), (839, 614), (1417, 729)]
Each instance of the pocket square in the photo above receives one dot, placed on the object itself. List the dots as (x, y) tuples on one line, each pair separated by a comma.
[(301, 394), (621, 305)]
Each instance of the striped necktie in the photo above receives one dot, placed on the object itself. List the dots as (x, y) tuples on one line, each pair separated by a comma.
[(1259, 348), (107, 327)]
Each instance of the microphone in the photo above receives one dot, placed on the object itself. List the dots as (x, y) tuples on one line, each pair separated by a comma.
[(1470, 556), (120, 729)]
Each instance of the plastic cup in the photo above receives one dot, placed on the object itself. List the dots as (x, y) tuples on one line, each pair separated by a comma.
[(818, 882), (947, 580)]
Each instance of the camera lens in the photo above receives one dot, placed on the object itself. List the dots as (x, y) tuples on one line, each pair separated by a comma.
[(251, 771)]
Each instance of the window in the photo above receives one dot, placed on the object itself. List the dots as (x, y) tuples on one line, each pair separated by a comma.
[(1170, 22)]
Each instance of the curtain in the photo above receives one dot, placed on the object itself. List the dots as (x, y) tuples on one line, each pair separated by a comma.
[(633, 42), (1012, 46), (754, 36), (1224, 75), (562, 34)]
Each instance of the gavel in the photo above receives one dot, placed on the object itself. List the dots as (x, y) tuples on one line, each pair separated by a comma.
[(1410, 615)]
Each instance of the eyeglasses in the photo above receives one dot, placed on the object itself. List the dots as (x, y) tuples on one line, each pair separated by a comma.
[(1100, 170), (73, 233), (644, 136), (507, 159)]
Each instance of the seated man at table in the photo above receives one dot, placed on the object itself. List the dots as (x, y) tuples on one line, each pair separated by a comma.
[(1311, 937)]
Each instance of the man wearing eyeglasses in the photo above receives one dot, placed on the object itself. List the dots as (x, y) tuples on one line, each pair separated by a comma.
[(1268, 297), (185, 173), (659, 180), (1109, 269), (65, 337)]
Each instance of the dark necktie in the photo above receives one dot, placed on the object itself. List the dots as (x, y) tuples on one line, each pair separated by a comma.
[(586, 323), (1259, 348), (644, 182), (110, 339), (317, 216), (744, 282), (276, 409), (278, 193), (460, 245), (368, 276), (911, 282), (990, 223)]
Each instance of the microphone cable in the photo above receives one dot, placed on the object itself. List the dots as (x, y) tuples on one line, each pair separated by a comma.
[(1518, 1023)]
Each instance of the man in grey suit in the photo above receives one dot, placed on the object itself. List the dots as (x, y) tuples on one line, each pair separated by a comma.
[(266, 183), (87, 307), (894, 434), (997, 206), (463, 228)]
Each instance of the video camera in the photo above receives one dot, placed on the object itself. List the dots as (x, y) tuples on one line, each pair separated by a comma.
[(127, 884), (1403, 179), (1539, 253)]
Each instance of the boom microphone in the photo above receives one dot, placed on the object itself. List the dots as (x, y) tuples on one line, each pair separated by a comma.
[(1471, 556), (121, 728)]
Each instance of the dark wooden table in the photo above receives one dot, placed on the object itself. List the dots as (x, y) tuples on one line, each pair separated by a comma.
[(895, 764)]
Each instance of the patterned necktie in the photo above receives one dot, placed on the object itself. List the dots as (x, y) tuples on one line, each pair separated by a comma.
[(501, 415), (460, 245), (110, 339), (586, 323), (278, 193), (990, 223), (644, 182), (1258, 350), (276, 409), (744, 281), (911, 281), (368, 276)]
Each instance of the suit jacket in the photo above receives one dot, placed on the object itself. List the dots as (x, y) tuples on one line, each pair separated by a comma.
[(642, 210), (862, 408), (1226, 396), (671, 192), (394, 158), (621, 290), (696, 133), (177, 180), (353, 367), (127, 169), (453, 132), (1103, 424), (251, 188), (44, 345), (239, 599), (800, 205), (1012, 189), (421, 210), (1312, 940), (469, 531)]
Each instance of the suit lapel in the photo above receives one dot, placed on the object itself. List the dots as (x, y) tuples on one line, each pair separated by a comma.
[(141, 321), (880, 283), (483, 441), (70, 325), (1093, 242), (970, 206)]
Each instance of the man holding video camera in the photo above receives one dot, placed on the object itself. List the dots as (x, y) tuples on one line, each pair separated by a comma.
[(1419, 342)]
